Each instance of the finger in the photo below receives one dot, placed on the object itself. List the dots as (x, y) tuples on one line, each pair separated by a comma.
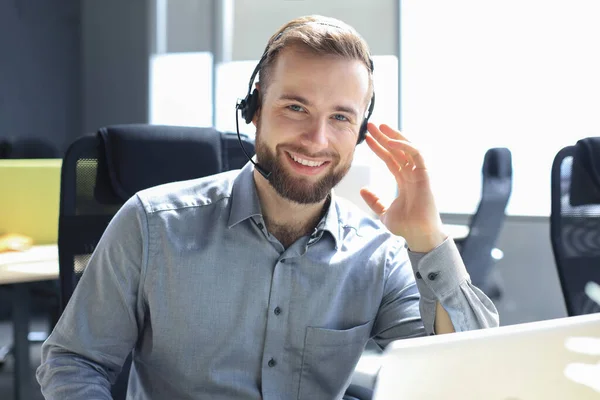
[(392, 133), (372, 201), (394, 164), (409, 150), (386, 154), (377, 134), (384, 142)]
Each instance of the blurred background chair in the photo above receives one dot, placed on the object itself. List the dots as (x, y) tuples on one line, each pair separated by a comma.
[(478, 247), (101, 171), (575, 221)]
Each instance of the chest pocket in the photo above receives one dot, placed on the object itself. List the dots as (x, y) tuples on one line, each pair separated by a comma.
[(329, 360)]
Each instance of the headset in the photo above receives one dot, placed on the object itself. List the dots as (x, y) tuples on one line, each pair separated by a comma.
[(250, 103)]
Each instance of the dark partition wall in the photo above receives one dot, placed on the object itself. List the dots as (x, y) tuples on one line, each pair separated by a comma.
[(40, 70)]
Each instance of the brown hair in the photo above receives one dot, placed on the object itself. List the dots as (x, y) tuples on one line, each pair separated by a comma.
[(320, 35)]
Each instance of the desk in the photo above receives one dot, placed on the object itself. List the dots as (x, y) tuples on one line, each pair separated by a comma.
[(17, 269)]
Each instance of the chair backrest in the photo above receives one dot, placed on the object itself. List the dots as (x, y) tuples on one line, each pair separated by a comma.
[(101, 171), (486, 223), (575, 224)]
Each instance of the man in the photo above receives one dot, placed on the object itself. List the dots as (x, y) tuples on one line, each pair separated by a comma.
[(261, 283)]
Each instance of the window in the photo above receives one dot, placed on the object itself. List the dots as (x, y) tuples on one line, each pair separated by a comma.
[(181, 89), (519, 74)]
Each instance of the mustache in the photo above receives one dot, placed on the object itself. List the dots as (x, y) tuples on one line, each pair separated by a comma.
[(303, 152)]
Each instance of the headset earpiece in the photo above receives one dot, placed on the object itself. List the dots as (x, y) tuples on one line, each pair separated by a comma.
[(363, 131), (249, 105)]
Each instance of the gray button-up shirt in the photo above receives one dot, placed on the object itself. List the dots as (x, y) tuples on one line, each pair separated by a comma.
[(214, 307)]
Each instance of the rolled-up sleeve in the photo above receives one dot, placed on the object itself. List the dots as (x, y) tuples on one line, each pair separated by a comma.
[(441, 276), (87, 348), (416, 282)]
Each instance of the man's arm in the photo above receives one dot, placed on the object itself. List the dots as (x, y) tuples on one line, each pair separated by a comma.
[(425, 244), (418, 285), (449, 301), (99, 327), (443, 322)]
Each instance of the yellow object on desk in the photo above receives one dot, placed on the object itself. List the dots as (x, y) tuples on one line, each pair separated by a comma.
[(14, 242), (30, 198)]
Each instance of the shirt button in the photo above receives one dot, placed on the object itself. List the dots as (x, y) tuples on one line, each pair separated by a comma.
[(272, 363), (418, 275), (277, 310), (260, 226), (432, 276)]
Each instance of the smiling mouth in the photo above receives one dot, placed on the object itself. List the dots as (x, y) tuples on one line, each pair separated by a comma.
[(306, 163)]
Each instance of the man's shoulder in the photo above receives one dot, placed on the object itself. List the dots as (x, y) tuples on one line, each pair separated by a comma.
[(191, 193)]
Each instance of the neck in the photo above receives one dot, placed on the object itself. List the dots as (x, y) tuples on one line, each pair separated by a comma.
[(281, 214)]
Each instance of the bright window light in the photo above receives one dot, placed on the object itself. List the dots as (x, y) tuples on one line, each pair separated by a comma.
[(521, 74), (181, 89), (232, 84)]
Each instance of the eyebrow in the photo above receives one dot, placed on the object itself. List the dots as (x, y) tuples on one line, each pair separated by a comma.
[(305, 101)]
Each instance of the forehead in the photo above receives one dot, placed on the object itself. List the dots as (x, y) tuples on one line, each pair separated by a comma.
[(300, 69)]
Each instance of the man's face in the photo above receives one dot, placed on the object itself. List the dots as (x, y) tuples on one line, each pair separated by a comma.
[(308, 123)]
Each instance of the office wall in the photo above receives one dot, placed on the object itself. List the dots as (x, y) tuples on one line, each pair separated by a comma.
[(40, 70), (189, 25), (116, 45), (257, 20)]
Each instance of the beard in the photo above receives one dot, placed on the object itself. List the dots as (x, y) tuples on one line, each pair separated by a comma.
[(295, 188)]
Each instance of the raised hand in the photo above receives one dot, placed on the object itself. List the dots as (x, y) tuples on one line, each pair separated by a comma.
[(413, 214)]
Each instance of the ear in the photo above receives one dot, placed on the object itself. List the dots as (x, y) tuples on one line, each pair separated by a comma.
[(258, 108)]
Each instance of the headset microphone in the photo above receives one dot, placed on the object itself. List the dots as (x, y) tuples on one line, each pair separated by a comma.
[(261, 170)]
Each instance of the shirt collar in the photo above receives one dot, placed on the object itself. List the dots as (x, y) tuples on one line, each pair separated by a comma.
[(330, 222), (245, 204), (244, 199)]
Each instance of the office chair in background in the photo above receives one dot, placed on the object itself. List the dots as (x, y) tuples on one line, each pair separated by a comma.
[(485, 225), (575, 221), (100, 172)]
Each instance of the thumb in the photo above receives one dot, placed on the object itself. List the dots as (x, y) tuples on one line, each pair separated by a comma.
[(372, 201)]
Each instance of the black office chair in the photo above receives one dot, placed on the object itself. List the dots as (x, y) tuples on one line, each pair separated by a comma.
[(101, 171), (575, 222), (486, 224)]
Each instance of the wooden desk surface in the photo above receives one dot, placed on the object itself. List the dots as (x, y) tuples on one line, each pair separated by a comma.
[(40, 263)]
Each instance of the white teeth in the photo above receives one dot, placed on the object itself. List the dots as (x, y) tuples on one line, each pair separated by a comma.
[(306, 162)]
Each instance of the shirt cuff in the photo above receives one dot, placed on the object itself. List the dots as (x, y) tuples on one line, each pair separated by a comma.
[(439, 272)]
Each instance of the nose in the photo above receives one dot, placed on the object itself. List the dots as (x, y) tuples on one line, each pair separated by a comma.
[(315, 137)]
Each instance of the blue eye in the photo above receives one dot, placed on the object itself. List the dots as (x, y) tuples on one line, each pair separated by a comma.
[(340, 117), (295, 107)]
